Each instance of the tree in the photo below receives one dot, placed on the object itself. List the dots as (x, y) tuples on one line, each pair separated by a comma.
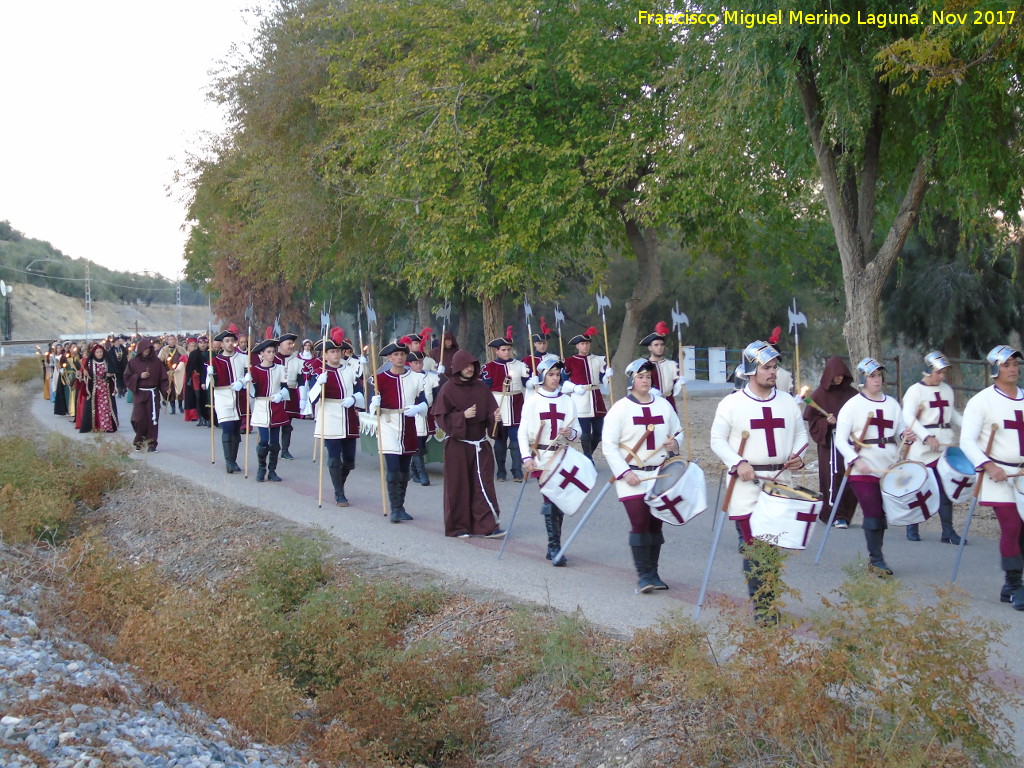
[(890, 125)]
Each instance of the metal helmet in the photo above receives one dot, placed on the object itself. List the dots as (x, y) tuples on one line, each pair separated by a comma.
[(998, 356), (935, 361), (547, 363), (757, 353), (865, 368), (738, 378), (640, 364)]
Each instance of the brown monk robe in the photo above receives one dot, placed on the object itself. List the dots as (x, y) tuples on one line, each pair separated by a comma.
[(832, 393), (146, 377), (465, 410)]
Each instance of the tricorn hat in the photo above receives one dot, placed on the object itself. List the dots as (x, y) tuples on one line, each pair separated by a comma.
[(587, 335), (661, 332), (502, 342)]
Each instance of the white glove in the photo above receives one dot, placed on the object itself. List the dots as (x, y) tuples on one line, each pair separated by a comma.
[(321, 379), (276, 397), (608, 373), (655, 392), (209, 371), (237, 386), (579, 389), (568, 387), (361, 359), (532, 382), (374, 403), (415, 410), (348, 402), (678, 386), (286, 394), (247, 379), (359, 400), (440, 369)]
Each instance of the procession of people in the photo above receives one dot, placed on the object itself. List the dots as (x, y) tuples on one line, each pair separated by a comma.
[(543, 418)]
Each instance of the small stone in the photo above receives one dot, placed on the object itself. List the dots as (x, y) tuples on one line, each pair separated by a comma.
[(9, 720)]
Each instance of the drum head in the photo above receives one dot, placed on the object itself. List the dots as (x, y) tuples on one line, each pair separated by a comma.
[(788, 492), (554, 462), (958, 460), (904, 477), (669, 474)]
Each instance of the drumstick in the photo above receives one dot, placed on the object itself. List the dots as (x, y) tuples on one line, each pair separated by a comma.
[(901, 451), (732, 480), (804, 448)]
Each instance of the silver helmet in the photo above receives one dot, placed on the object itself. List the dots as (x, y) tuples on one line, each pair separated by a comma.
[(865, 368), (998, 356), (640, 364), (934, 362), (546, 363), (757, 353)]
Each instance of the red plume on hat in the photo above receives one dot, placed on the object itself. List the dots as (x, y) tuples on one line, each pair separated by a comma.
[(508, 333), (269, 333), (544, 326), (337, 335), (776, 333), (425, 335), (233, 329), (591, 331), (405, 341), (661, 328)]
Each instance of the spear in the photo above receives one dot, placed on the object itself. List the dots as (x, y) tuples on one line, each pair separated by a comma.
[(678, 320), (528, 311), (796, 319), (371, 322), (443, 314), (559, 319), (321, 414), (209, 387), (248, 366), (603, 303)]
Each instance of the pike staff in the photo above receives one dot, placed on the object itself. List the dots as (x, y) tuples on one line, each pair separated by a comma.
[(371, 322), (559, 319), (248, 367), (209, 388), (321, 418), (603, 303), (443, 314), (528, 311), (678, 320), (796, 319)]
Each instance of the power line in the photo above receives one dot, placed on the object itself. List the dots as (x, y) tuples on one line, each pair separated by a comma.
[(83, 279)]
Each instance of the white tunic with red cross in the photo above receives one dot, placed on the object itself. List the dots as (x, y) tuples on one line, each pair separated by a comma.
[(884, 422), (585, 371), (330, 418), (630, 422), (775, 431), (987, 408), (398, 392), (543, 415), (937, 418)]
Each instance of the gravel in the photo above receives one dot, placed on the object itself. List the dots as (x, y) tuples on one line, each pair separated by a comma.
[(62, 705)]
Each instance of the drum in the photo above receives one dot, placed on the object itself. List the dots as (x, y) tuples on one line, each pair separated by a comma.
[(957, 474), (568, 478), (1018, 494), (784, 515), (679, 493), (910, 493)]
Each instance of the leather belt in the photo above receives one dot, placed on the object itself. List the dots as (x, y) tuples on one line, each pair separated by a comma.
[(543, 447), (937, 426), (767, 467), (1007, 463), (644, 469), (874, 442)]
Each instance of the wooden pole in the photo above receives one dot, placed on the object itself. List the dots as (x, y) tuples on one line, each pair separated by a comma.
[(248, 407), (209, 388), (320, 418), (380, 434)]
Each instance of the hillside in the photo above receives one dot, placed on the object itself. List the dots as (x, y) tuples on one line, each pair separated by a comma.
[(40, 313)]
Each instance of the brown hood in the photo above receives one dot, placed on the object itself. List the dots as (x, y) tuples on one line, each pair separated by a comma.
[(144, 343), (435, 353), (462, 359), (835, 366)]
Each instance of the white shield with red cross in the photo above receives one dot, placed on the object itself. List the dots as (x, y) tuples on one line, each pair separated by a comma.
[(569, 477), (910, 493), (679, 493)]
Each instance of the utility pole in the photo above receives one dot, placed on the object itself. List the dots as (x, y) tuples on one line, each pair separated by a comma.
[(88, 305), (178, 301)]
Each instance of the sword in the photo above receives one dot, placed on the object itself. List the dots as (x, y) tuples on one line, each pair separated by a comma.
[(835, 504), (715, 536), (971, 508)]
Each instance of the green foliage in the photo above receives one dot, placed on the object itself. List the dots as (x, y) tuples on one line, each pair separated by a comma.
[(286, 575), (24, 370)]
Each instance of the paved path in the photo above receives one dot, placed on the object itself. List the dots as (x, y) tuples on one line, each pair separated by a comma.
[(600, 578)]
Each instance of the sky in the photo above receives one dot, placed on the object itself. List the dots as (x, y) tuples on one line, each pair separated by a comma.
[(102, 101)]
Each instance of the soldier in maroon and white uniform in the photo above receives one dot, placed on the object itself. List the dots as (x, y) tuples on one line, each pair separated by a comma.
[(288, 357), (269, 394), (425, 424), (400, 399), (540, 351), (775, 434), (1000, 456), (879, 418), (587, 378), (665, 372), (227, 377), (335, 395), (506, 377)]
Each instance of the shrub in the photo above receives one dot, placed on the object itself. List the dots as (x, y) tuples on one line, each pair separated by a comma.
[(34, 514), (24, 370), (284, 576)]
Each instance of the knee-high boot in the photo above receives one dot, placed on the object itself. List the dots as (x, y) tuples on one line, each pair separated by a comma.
[(261, 458), (874, 538), (286, 441), (272, 475), (639, 544), (948, 535), (338, 475), (226, 445), (418, 470), (396, 499), (403, 485), (654, 555), (553, 517)]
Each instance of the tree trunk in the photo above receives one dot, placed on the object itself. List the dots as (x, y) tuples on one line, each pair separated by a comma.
[(646, 289), (423, 313), (492, 308), (462, 335)]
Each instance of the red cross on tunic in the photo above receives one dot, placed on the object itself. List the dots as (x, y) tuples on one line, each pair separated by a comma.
[(1017, 424), (963, 482), (648, 419), (553, 415), (769, 425), (941, 404), (882, 424), (570, 477), (921, 502), (669, 505)]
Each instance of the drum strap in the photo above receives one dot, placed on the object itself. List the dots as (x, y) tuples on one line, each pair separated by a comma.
[(1016, 464), (937, 426), (767, 467), (644, 469)]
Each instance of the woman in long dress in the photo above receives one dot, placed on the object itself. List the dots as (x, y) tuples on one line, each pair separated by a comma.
[(99, 411)]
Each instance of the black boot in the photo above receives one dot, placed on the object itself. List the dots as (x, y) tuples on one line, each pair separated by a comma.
[(948, 536), (418, 471), (912, 532), (261, 458), (394, 489), (226, 445), (403, 484), (1013, 581), (654, 555), (874, 539), (286, 441), (172, 401), (338, 474), (553, 525), (272, 475), (640, 545), (236, 441)]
